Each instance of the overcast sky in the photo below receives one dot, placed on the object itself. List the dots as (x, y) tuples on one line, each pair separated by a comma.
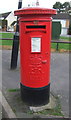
[(11, 5)]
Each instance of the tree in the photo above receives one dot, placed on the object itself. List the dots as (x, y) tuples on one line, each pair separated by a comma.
[(65, 7), (69, 31), (58, 6)]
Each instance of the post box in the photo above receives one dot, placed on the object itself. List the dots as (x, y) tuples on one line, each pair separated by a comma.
[(35, 35)]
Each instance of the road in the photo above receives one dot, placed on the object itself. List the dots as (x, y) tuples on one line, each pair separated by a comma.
[(59, 76)]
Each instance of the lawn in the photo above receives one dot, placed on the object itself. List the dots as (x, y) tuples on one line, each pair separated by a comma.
[(6, 35), (53, 45), (65, 38), (61, 46)]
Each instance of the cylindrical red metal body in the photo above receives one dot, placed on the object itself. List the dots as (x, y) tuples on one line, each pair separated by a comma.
[(35, 35)]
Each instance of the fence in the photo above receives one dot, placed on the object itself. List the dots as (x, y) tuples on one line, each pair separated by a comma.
[(52, 41)]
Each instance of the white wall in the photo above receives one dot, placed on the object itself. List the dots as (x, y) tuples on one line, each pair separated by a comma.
[(64, 31), (11, 18)]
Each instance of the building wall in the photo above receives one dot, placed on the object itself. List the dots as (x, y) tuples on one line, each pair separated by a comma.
[(67, 23), (64, 31), (3, 25)]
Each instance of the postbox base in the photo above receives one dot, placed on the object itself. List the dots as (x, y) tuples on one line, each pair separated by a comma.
[(35, 96)]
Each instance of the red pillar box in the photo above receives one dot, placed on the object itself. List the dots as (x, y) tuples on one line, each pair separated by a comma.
[(35, 35)]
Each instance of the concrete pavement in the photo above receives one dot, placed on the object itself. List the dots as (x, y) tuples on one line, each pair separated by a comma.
[(6, 107), (60, 79), (59, 76), (0, 111)]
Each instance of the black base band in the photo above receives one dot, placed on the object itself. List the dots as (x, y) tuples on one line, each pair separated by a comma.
[(35, 96)]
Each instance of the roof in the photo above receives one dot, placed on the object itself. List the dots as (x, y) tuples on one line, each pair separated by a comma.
[(61, 16), (13, 23), (4, 15)]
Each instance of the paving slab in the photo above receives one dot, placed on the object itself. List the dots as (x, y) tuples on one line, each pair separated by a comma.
[(49, 106)]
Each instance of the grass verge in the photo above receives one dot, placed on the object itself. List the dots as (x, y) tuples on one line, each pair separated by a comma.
[(13, 90)]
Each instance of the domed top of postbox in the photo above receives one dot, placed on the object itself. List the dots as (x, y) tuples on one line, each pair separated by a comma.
[(34, 11)]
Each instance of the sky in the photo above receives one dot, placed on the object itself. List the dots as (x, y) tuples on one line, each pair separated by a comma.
[(12, 5)]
